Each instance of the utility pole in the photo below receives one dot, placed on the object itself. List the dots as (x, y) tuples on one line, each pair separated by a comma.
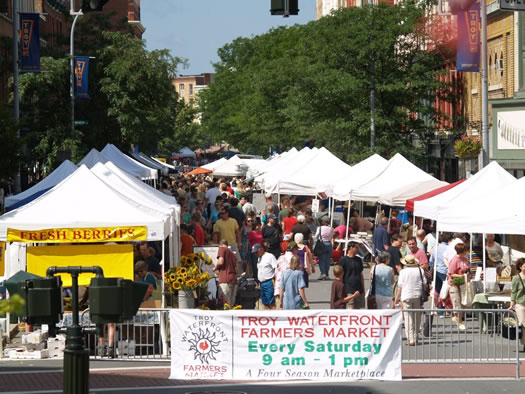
[(484, 87), (16, 97), (372, 87)]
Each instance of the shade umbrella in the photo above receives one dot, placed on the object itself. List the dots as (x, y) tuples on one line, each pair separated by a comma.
[(199, 171)]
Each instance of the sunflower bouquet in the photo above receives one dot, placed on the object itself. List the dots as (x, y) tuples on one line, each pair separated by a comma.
[(188, 275)]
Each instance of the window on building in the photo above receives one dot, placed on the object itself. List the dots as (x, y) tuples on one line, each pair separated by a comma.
[(181, 89), (190, 90)]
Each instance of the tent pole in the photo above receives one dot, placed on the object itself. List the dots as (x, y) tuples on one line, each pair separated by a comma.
[(331, 211), (413, 224), (389, 216), (347, 221), (470, 253), (434, 275), (484, 265), (163, 330)]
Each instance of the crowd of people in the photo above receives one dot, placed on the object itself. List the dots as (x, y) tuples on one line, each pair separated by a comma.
[(282, 245)]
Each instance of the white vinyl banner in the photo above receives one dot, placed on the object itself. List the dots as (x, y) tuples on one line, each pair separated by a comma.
[(299, 344)]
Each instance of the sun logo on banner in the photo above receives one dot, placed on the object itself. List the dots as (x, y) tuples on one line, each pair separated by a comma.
[(204, 345)]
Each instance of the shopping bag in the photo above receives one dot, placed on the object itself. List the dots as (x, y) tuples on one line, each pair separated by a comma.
[(467, 294), (444, 290)]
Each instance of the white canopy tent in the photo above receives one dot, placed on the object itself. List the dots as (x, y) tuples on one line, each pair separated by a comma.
[(128, 164), (83, 200), (477, 216), (144, 197), (185, 153), (492, 177), (359, 174), (399, 181), (214, 164), (151, 192), (92, 158), (58, 175), (318, 175), (234, 166), (287, 165), (276, 162)]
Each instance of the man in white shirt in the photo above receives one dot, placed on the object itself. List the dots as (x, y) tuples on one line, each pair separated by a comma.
[(458, 238), (247, 206), (212, 193), (266, 265)]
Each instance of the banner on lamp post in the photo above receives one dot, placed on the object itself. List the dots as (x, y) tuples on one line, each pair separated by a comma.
[(81, 77), (469, 38), (29, 42)]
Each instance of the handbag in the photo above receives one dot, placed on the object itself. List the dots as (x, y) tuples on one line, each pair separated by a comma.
[(467, 293), (319, 246), (444, 290), (424, 289), (371, 302)]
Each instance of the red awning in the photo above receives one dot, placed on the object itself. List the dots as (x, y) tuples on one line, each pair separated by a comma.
[(409, 206)]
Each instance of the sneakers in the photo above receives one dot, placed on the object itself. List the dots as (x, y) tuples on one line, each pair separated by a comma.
[(455, 319), (323, 277), (111, 352), (462, 327)]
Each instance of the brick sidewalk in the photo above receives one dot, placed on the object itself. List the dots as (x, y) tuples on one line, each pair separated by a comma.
[(156, 377)]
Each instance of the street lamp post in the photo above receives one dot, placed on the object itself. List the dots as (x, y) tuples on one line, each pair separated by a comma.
[(72, 63), (16, 97)]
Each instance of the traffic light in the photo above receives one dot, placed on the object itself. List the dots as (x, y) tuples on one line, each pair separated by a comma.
[(93, 5), (114, 300), (460, 5), (284, 7)]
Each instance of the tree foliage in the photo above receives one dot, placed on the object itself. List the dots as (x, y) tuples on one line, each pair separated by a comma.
[(132, 97), (310, 83)]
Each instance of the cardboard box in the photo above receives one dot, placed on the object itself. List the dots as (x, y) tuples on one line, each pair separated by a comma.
[(151, 304), (56, 343), (55, 353), (28, 354), (35, 337), (126, 348)]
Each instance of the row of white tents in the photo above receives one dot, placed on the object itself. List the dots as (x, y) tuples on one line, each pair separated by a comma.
[(318, 171), (147, 170), (98, 193)]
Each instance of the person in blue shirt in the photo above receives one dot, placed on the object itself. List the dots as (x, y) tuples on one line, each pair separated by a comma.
[(380, 239), (441, 267)]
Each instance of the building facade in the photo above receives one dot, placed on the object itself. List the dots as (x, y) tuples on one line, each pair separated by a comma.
[(188, 86)]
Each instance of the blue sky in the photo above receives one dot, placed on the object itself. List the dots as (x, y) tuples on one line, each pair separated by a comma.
[(195, 29)]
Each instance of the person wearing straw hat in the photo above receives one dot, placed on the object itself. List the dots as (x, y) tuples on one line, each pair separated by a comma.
[(409, 289)]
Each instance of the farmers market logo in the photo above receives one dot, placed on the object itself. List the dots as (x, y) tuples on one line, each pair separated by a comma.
[(204, 337)]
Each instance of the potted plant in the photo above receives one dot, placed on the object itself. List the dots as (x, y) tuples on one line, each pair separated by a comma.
[(467, 147)]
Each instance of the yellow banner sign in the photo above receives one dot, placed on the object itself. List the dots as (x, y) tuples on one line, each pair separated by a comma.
[(79, 235)]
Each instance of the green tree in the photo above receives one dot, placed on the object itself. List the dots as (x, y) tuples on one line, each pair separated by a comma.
[(132, 98), (311, 83), (9, 148)]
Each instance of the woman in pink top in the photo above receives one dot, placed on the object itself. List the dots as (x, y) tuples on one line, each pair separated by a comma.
[(458, 267)]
